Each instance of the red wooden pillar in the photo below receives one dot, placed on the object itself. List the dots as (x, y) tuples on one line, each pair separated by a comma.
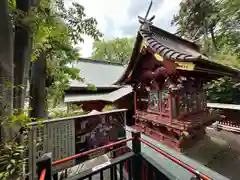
[(135, 101), (170, 107), (148, 100), (177, 106), (160, 102)]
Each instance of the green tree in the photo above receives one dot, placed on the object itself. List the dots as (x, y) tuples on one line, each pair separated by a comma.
[(117, 50), (225, 90), (209, 18), (230, 15), (58, 29), (197, 18), (22, 50), (48, 34), (218, 22)]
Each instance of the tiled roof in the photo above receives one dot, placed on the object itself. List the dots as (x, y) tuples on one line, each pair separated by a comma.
[(106, 96), (166, 46), (98, 73)]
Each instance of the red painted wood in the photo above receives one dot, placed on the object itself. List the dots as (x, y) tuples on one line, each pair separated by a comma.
[(43, 174), (90, 105), (189, 103), (170, 107), (161, 108), (90, 151), (143, 172), (154, 176), (190, 121), (135, 102)]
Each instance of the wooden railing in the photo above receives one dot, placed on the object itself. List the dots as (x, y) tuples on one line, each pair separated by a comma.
[(135, 165)]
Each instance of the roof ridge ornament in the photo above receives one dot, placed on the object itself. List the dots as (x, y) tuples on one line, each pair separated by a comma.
[(146, 22), (147, 13)]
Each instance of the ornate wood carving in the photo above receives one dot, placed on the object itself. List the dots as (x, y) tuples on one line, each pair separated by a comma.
[(176, 108)]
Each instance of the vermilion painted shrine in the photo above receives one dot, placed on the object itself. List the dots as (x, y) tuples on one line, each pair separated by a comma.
[(162, 88)]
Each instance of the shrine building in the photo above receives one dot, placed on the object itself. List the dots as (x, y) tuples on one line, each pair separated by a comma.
[(162, 86)]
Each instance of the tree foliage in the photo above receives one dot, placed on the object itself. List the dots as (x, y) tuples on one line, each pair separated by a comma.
[(230, 15), (225, 90), (50, 32), (56, 35), (77, 21), (117, 50), (215, 26), (197, 18)]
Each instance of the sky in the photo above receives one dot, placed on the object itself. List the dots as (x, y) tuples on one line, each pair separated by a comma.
[(118, 18)]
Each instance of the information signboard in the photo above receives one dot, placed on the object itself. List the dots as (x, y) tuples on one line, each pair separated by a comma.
[(68, 136)]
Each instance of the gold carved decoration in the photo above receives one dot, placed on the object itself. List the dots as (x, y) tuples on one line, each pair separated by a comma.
[(143, 46), (188, 66), (158, 57)]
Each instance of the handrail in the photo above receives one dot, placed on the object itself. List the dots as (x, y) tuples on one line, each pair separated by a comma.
[(172, 158), (90, 151), (43, 174), (175, 160)]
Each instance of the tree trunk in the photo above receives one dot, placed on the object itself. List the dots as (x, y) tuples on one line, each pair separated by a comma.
[(205, 36), (213, 39), (6, 67), (38, 87), (22, 49)]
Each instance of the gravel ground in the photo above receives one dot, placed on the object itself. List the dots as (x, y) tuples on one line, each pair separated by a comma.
[(90, 164), (220, 151)]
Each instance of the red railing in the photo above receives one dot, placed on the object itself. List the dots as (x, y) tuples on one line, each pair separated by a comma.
[(43, 174), (199, 175), (175, 160), (90, 151)]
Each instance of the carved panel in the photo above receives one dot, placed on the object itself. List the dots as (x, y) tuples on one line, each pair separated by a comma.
[(194, 103), (183, 108), (164, 101), (154, 100), (174, 107), (189, 103)]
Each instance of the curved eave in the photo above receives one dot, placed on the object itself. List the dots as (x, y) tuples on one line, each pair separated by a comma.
[(163, 50), (212, 67), (168, 45)]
